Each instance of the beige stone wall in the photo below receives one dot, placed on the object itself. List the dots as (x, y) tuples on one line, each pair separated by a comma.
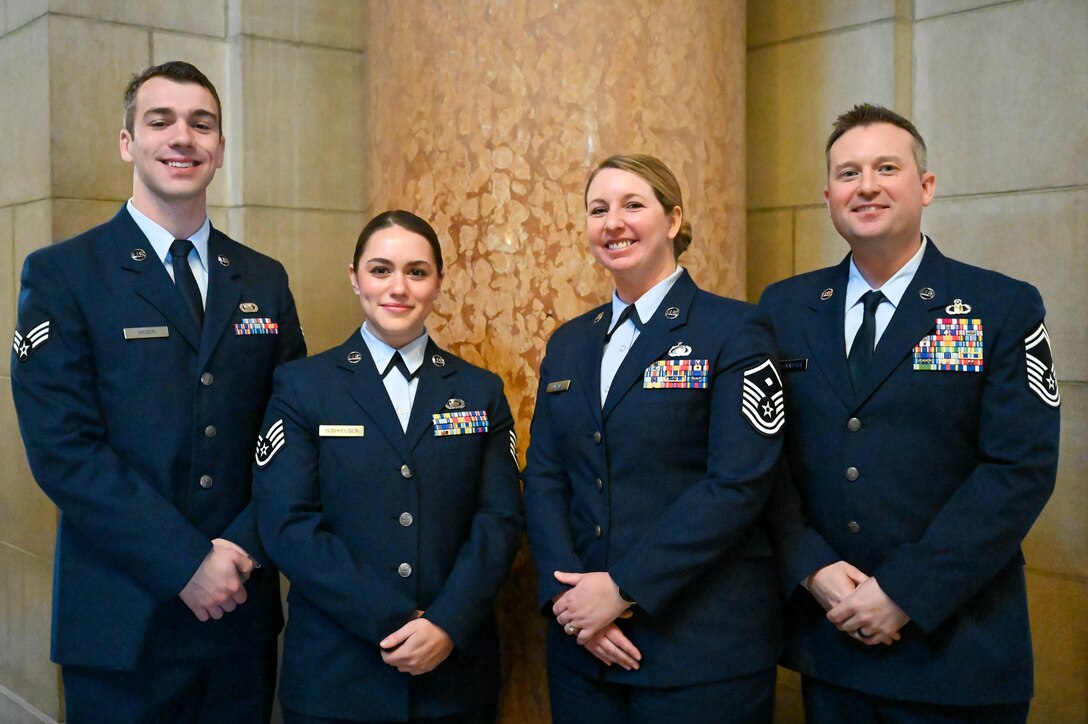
[(999, 92)]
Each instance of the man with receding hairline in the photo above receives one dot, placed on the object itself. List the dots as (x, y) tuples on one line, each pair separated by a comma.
[(923, 445), (142, 362)]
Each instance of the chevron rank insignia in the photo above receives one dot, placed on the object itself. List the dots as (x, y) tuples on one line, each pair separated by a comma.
[(514, 448), (269, 444), (761, 399), (24, 344), (1042, 379)]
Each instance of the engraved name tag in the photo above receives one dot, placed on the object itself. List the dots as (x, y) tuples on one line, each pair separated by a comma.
[(146, 332), (340, 431)]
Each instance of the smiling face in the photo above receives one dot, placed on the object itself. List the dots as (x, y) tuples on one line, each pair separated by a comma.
[(630, 233), (175, 145), (397, 281), (875, 190)]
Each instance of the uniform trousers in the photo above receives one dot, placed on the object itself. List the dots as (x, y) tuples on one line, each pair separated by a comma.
[(743, 700), (234, 689), (829, 704), (482, 715)]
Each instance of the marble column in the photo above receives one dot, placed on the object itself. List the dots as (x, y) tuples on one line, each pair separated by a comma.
[(486, 116)]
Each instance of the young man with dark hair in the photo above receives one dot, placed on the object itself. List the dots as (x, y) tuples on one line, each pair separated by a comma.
[(141, 366)]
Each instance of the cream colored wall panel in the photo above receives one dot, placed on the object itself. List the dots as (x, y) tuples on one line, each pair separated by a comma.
[(228, 219), (816, 244), (770, 22), (795, 92), (202, 17), (74, 216), (770, 249), (20, 12), (32, 225), (28, 520), (303, 126), (24, 114), (211, 55), (931, 8), (9, 283), (24, 629), (16, 712), (316, 248), (86, 111), (330, 23), (1059, 541), (1059, 631), (1012, 115), (1040, 238)]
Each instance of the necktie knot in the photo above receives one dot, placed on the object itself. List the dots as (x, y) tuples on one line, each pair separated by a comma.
[(397, 361), (629, 312), (184, 279)]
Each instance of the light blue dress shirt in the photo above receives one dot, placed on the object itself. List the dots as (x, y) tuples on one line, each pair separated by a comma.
[(893, 290), (161, 239), (402, 392)]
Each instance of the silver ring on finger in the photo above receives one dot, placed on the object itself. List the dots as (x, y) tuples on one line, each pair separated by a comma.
[(571, 629)]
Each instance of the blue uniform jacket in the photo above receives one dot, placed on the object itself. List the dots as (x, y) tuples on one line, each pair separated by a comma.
[(927, 479), (663, 488), (371, 524), (125, 408)]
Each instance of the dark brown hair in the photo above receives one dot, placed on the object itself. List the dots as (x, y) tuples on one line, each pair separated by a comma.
[(405, 220), (176, 70), (866, 114)]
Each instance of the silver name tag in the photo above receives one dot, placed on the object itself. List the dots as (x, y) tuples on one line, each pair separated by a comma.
[(146, 332)]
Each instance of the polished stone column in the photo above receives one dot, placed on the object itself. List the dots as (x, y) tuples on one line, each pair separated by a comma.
[(485, 117)]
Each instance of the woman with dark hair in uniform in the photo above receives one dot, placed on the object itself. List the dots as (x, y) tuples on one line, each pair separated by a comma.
[(387, 492)]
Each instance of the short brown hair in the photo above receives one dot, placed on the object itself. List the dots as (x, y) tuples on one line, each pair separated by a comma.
[(662, 180), (866, 114), (405, 220), (176, 70)]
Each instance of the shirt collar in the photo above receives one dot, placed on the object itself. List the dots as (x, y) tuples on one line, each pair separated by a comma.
[(161, 239), (412, 353), (648, 303), (893, 289)]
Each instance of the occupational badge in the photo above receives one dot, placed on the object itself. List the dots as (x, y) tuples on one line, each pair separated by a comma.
[(248, 307), (24, 344), (958, 307), (1042, 379), (269, 444), (455, 404), (762, 400), (680, 350)]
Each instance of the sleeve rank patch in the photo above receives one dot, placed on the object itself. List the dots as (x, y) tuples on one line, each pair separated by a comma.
[(514, 448), (1042, 379), (270, 443), (762, 399), (24, 344)]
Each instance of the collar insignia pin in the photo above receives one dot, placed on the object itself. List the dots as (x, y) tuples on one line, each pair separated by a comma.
[(672, 313), (927, 293), (138, 255), (224, 260), (354, 358), (438, 360), (827, 294)]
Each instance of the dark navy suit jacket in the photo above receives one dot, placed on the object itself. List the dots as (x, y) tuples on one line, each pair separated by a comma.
[(372, 524), (663, 489), (119, 433), (952, 468)]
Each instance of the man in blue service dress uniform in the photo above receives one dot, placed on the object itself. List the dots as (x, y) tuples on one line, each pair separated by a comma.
[(142, 362), (917, 466)]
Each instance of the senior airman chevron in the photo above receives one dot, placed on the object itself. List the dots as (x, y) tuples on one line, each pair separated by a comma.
[(954, 346), (762, 400), (459, 423), (25, 344)]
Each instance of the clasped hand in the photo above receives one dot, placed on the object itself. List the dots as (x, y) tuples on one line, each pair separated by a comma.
[(857, 605), (416, 647), (591, 608), (218, 586)]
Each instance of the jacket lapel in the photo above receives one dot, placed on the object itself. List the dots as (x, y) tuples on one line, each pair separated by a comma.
[(653, 341), (150, 280), (224, 292), (824, 330), (588, 359), (436, 387), (367, 389), (914, 318)]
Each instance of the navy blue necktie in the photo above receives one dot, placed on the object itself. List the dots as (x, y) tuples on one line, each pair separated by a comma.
[(861, 351), (629, 312), (184, 279)]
